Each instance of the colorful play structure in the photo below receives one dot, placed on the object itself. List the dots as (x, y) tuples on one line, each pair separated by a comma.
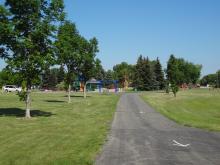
[(94, 84), (101, 83)]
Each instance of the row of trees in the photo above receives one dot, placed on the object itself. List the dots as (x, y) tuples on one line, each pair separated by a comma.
[(144, 75), (149, 75), (35, 35)]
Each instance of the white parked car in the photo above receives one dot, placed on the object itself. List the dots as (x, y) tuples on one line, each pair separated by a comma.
[(11, 88)]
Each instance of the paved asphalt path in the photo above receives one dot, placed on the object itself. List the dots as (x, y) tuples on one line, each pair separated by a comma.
[(141, 136)]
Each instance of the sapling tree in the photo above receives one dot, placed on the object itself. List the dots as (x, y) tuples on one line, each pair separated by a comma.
[(174, 89), (68, 52), (173, 74), (87, 67), (27, 29)]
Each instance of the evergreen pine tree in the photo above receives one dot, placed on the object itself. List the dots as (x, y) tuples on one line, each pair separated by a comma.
[(147, 75), (138, 81), (159, 74)]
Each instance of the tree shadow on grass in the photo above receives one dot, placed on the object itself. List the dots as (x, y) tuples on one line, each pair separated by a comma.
[(76, 96), (17, 112), (54, 101)]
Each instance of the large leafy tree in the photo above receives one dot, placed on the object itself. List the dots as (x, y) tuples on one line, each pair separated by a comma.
[(123, 72), (180, 71), (27, 28)]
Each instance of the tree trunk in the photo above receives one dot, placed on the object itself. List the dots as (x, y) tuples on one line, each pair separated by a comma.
[(28, 103), (69, 90), (84, 91)]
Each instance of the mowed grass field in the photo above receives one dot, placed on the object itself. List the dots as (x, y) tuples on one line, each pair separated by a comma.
[(197, 108), (59, 133)]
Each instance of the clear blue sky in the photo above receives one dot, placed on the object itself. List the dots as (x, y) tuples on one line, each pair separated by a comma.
[(155, 28)]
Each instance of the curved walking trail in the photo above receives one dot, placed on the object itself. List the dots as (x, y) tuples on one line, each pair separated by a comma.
[(142, 136)]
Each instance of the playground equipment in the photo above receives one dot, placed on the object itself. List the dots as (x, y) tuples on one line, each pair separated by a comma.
[(100, 84)]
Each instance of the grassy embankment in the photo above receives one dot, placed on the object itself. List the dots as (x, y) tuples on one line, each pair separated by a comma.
[(197, 108), (59, 133)]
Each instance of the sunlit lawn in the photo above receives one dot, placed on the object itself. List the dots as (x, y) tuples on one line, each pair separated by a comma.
[(197, 108), (59, 133)]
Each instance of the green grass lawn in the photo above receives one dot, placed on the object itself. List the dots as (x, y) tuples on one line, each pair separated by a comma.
[(198, 108), (59, 133)]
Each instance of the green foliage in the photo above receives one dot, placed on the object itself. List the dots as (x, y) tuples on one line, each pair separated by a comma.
[(76, 53), (124, 73), (174, 89), (148, 74), (68, 49), (99, 72), (159, 75), (211, 79), (62, 86), (22, 95), (109, 75), (33, 30), (51, 78), (60, 74), (218, 79), (167, 87), (173, 73), (7, 77), (26, 37), (180, 71), (90, 48)]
